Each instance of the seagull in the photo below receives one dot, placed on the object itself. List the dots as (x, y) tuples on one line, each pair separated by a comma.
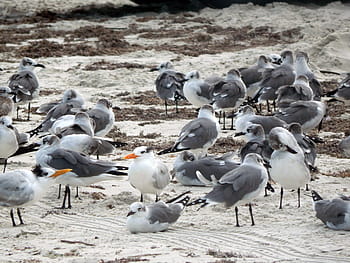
[(25, 84), (169, 84), (80, 123), (85, 170), (334, 213), (239, 186), (229, 94), (6, 102), (198, 135), (197, 91), (276, 59), (155, 217), (256, 143), (212, 168), (246, 116), (146, 173), (342, 92), (8, 139), (103, 116), (287, 162), (344, 145), (308, 114), (298, 91), (22, 187), (273, 78), (302, 68), (253, 75)]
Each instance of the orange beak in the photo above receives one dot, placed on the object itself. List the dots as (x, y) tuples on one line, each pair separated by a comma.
[(131, 156), (60, 172)]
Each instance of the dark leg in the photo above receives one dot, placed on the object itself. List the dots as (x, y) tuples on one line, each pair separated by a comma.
[(298, 197), (251, 214), (69, 203), (268, 106), (66, 195), (59, 191), (274, 105), (307, 187), (157, 198), (281, 197), (28, 117), (266, 192), (224, 120), (141, 199), (12, 217), (260, 106), (231, 123), (17, 113), (77, 192), (5, 164), (19, 216), (220, 116), (166, 107), (176, 106), (97, 157), (236, 211), (320, 126)]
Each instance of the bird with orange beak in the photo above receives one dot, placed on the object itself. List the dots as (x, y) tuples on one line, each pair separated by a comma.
[(22, 187), (146, 173)]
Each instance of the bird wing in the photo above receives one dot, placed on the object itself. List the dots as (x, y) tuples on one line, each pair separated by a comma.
[(161, 177), (163, 213)]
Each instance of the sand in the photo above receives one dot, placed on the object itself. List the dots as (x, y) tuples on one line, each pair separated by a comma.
[(94, 229)]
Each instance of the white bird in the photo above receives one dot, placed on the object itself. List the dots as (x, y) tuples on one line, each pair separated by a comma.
[(334, 213), (288, 167), (197, 135), (197, 91), (103, 116), (7, 105), (8, 139), (155, 217), (146, 173), (22, 187), (239, 186)]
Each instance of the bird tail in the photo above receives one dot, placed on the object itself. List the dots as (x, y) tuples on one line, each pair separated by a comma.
[(117, 144), (35, 131), (177, 199), (26, 149), (202, 201), (331, 93), (315, 196), (172, 149), (117, 170)]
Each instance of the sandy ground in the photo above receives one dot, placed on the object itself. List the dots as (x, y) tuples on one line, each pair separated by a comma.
[(94, 229)]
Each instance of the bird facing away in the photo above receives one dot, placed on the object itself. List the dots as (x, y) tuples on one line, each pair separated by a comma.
[(198, 135), (169, 84), (212, 168), (22, 187), (288, 167), (334, 213), (155, 217), (6, 102), (239, 186), (146, 173), (197, 91), (25, 84), (103, 116)]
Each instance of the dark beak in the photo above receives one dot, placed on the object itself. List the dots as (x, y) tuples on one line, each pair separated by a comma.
[(39, 65), (239, 134), (130, 213), (153, 69), (116, 108), (291, 150), (183, 80)]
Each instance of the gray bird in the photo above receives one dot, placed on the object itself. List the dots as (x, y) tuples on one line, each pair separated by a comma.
[(212, 168), (155, 217), (273, 78), (7, 105), (8, 139), (298, 91), (103, 116), (344, 144), (229, 94), (25, 84), (169, 84), (342, 92), (198, 135), (302, 68), (334, 213), (80, 123), (308, 114), (239, 186)]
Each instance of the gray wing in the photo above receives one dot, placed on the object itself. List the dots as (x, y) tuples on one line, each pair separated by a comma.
[(23, 84), (197, 133), (14, 190), (332, 211), (228, 94), (234, 185), (80, 164), (45, 108), (167, 83), (251, 75), (268, 122), (56, 112), (163, 213), (300, 112), (100, 117), (161, 175), (205, 90)]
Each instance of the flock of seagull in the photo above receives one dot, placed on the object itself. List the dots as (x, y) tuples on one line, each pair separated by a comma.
[(277, 150)]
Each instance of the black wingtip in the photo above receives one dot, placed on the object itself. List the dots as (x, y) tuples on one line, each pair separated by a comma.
[(171, 150), (270, 188), (201, 201), (118, 144), (122, 167), (177, 197), (315, 196), (291, 150)]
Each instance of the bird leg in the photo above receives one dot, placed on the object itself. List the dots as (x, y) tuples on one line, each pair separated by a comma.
[(268, 106), (28, 117), (66, 195), (298, 197), (5, 164), (77, 192), (236, 211), (17, 110), (220, 112), (251, 214), (231, 123), (12, 217), (176, 106), (224, 120), (307, 187), (157, 198), (281, 197), (19, 216), (68, 190), (141, 199), (166, 107), (59, 191)]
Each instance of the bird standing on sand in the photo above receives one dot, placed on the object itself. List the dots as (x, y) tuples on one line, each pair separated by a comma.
[(155, 217), (198, 135), (8, 139), (22, 187), (146, 173), (25, 84), (239, 186), (7, 105)]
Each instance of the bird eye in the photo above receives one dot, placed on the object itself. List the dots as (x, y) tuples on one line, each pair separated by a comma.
[(139, 209), (143, 151)]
